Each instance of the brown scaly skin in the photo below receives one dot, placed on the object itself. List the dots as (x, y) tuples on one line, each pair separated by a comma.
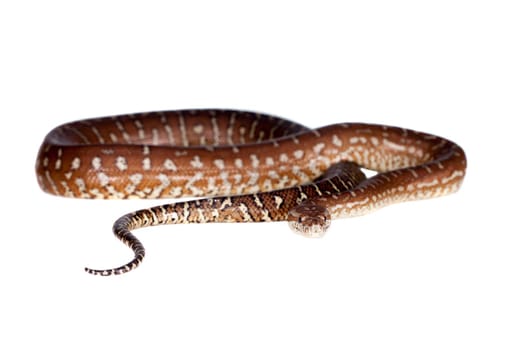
[(234, 153), (266, 206)]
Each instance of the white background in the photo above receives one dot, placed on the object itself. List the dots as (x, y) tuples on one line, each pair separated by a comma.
[(439, 274)]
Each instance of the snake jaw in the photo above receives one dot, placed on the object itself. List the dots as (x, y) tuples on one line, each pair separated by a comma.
[(309, 219)]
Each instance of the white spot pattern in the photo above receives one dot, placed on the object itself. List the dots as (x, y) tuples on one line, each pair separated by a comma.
[(121, 163)]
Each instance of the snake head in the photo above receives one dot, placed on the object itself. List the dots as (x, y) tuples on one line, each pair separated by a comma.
[(309, 219)]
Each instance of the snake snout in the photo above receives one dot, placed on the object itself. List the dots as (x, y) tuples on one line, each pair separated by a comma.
[(309, 219)]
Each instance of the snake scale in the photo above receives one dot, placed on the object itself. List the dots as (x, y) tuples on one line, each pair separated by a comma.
[(242, 167)]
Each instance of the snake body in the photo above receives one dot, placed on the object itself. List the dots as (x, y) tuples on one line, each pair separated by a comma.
[(248, 167)]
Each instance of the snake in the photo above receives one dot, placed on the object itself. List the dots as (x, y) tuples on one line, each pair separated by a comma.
[(242, 166)]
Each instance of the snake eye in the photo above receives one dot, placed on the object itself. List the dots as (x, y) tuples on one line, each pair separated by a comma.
[(309, 219)]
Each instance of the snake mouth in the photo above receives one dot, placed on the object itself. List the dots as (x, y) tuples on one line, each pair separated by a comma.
[(310, 230)]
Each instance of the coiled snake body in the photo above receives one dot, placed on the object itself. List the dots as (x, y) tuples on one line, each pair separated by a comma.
[(263, 168)]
